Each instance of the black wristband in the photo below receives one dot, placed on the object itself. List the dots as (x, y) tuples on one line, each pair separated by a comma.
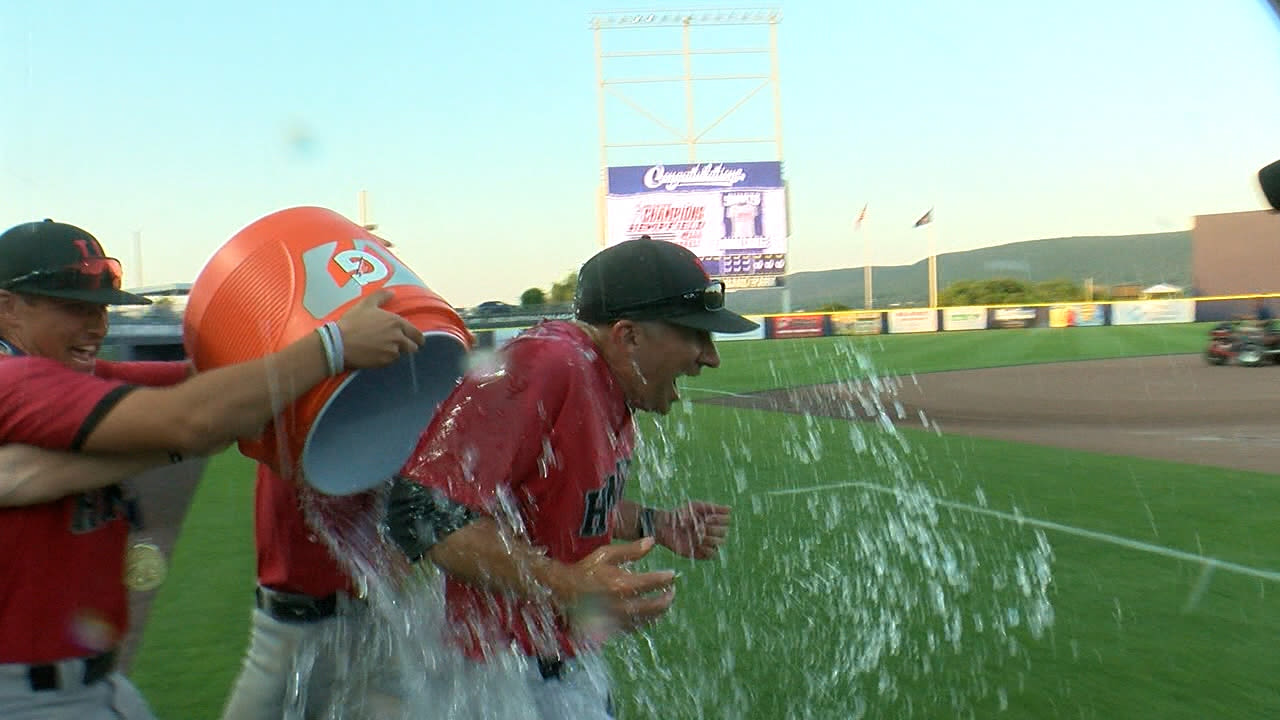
[(175, 457), (648, 518)]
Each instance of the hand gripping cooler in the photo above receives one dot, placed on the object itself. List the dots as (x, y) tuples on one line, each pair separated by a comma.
[(281, 278)]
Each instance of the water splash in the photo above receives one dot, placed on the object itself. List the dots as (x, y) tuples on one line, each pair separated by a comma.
[(838, 602), (386, 656), (829, 601)]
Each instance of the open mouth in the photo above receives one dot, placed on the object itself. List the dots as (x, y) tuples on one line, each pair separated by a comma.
[(84, 353)]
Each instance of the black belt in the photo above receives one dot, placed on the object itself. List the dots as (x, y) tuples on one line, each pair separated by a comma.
[(46, 677), (556, 669), (551, 668), (294, 608)]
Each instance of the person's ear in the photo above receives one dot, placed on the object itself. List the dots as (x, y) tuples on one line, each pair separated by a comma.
[(624, 334), (8, 305)]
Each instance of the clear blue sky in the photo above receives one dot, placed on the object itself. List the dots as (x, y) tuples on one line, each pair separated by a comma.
[(473, 125)]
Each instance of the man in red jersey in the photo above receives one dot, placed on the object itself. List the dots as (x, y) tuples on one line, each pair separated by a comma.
[(516, 488), (62, 596), (303, 594)]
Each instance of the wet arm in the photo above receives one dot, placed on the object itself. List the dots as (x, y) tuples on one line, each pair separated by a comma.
[(635, 521), (213, 408), (31, 475)]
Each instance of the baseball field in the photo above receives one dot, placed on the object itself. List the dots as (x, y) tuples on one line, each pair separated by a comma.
[(1071, 523)]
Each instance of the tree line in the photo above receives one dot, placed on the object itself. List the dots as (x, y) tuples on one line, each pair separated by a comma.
[(993, 291), (1010, 291), (561, 292), (1006, 291)]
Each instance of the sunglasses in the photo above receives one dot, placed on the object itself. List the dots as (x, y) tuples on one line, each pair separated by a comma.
[(709, 298), (87, 274)]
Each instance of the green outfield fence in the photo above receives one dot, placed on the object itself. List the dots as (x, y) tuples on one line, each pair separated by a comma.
[(968, 318), (161, 338)]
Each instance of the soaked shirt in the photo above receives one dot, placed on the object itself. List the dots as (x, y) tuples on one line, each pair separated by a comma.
[(292, 556), (541, 441), (62, 592)]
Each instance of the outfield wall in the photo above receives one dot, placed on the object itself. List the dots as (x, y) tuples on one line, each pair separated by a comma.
[(163, 341), (901, 321)]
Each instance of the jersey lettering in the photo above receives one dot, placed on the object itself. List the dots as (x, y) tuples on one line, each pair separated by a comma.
[(96, 508), (598, 503)]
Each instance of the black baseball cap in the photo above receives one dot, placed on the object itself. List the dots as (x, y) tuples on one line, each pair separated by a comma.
[(1269, 179), (59, 260), (648, 279)]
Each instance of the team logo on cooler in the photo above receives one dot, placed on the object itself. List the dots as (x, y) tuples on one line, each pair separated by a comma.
[(363, 267), (338, 272)]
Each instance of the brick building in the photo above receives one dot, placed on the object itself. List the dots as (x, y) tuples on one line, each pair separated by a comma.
[(1236, 253)]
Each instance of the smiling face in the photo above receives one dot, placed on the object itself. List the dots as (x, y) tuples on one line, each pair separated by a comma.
[(648, 357), (68, 331)]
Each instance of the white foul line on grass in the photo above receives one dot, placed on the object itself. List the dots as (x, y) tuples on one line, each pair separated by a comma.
[(726, 393), (1208, 562)]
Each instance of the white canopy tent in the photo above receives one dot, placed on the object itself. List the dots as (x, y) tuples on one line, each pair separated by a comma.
[(1162, 290)]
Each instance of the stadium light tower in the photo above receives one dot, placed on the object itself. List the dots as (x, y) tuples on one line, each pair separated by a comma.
[(362, 213), (691, 136), (362, 210), (137, 258)]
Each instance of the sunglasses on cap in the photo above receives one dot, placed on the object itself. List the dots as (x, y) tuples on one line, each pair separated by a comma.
[(87, 274), (709, 298)]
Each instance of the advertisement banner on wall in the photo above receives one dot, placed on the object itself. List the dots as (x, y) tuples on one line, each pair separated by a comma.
[(494, 339), (856, 323), (1077, 315), (965, 318), (797, 326), (757, 334), (1153, 312), (502, 336), (1014, 317), (733, 216), (913, 321)]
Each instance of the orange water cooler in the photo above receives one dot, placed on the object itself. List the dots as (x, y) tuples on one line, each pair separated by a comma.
[(282, 277)]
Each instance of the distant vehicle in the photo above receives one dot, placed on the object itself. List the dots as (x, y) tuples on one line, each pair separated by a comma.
[(491, 308), (495, 313), (1244, 342)]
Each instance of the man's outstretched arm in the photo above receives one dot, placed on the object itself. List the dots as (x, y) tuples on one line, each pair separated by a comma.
[(31, 475)]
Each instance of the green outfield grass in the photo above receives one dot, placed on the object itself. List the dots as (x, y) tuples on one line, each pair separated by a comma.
[(775, 630), (849, 538), (750, 366), (199, 624)]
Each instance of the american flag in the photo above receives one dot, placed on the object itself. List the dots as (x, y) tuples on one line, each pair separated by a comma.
[(925, 219), (861, 216)]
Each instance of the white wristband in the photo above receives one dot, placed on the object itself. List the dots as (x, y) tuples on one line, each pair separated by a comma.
[(333, 361), (339, 351)]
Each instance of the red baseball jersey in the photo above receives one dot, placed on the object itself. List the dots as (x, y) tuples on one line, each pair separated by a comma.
[(291, 556), (541, 441), (148, 372), (62, 591)]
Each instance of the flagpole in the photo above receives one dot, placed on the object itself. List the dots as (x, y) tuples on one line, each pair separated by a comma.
[(933, 266), (869, 298), (927, 219)]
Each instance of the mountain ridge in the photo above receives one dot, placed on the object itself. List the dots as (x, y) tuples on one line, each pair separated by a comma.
[(1146, 259)]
